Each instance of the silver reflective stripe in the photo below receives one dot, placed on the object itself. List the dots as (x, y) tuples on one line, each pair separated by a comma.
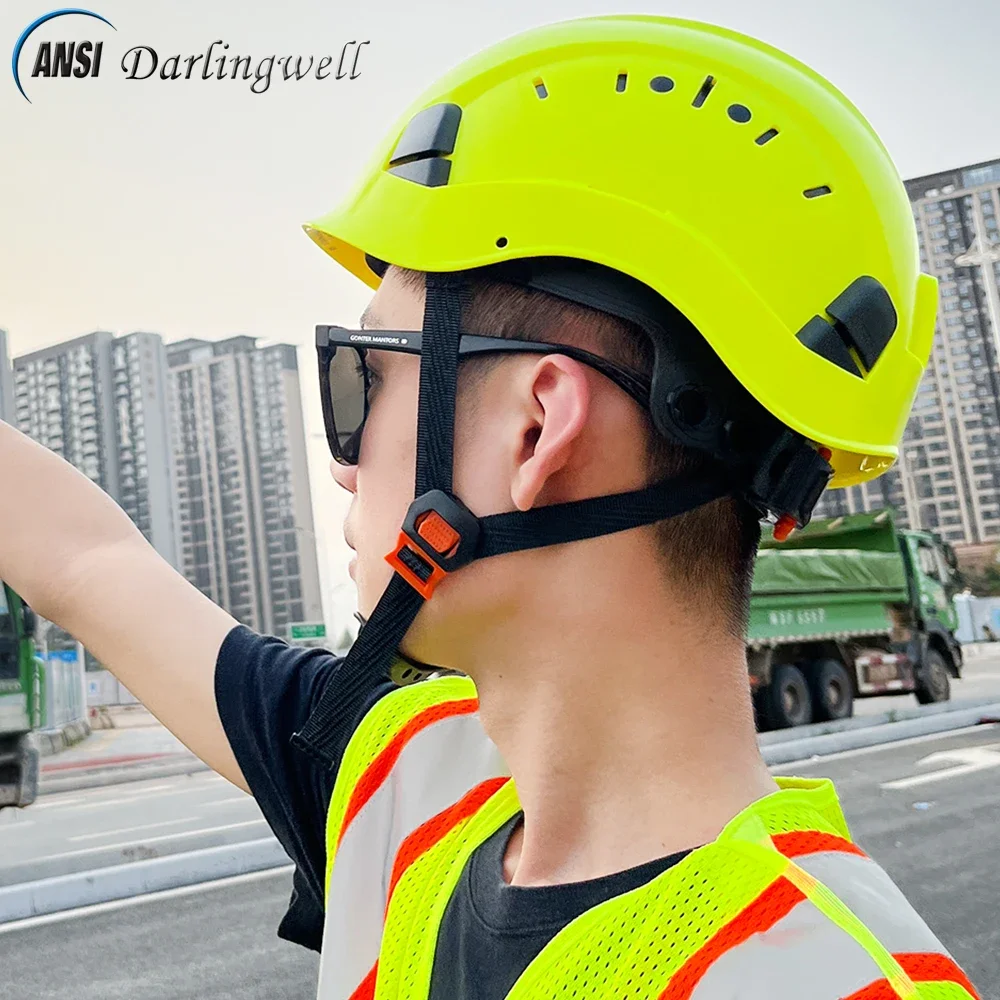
[(802, 957), (868, 892), (435, 769)]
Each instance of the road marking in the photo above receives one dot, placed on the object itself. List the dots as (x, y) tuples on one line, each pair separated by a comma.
[(97, 803), (132, 789), (146, 789), (101, 802), (150, 897), (969, 760), (139, 843), (243, 797), (15, 825), (35, 806), (132, 829), (816, 759), (186, 833)]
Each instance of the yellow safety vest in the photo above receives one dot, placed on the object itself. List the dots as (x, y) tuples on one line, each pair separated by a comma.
[(781, 906)]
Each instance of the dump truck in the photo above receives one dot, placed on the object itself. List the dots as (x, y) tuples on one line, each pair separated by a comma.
[(850, 607), (20, 701)]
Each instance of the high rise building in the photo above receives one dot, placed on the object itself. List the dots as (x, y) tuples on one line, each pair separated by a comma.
[(142, 439), (247, 536), (948, 476), (98, 401), (7, 408)]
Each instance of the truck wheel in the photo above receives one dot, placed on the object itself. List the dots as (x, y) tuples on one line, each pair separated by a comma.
[(28, 790), (786, 700), (933, 683), (18, 771), (832, 693)]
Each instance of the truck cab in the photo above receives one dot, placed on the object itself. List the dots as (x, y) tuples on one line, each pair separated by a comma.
[(20, 701), (931, 614)]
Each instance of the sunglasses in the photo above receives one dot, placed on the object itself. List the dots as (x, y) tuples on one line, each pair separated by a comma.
[(345, 376)]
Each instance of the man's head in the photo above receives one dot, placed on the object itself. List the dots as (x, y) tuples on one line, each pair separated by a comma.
[(533, 430)]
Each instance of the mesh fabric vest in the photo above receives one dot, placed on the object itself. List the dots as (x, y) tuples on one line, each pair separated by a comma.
[(782, 905)]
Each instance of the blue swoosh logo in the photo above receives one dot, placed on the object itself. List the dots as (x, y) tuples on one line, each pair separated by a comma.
[(37, 23)]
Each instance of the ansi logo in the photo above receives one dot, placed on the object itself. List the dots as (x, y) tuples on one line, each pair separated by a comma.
[(75, 58)]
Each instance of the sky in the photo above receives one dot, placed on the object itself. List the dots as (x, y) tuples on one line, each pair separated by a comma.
[(176, 206)]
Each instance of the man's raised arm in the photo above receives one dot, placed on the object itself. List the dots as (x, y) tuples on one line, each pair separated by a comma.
[(77, 558)]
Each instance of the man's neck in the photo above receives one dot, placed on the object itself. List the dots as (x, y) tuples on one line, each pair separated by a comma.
[(625, 743)]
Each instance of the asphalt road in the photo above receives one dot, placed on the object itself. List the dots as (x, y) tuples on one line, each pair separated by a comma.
[(980, 679), (82, 830), (939, 839), (216, 943), (937, 835)]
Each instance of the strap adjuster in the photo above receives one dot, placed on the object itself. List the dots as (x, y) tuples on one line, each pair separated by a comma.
[(439, 535)]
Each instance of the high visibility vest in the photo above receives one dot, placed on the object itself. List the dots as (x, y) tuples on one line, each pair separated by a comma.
[(781, 906)]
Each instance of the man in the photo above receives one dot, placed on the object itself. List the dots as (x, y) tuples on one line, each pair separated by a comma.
[(640, 282)]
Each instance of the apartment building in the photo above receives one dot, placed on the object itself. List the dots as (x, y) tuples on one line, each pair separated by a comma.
[(948, 476), (7, 409), (247, 538), (98, 401)]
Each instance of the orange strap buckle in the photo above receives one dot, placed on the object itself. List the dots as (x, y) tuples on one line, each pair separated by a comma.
[(430, 546)]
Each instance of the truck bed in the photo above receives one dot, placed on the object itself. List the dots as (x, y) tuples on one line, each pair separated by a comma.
[(810, 594)]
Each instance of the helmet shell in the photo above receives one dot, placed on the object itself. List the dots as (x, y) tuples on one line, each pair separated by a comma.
[(694, 159)]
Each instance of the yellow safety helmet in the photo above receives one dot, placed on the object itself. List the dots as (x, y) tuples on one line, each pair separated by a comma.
[(690, 179), (717, 170)]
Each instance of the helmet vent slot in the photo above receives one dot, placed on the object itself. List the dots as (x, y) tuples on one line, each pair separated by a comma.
[(501, 241), (540, 88), (661, 84), (702, 95), (739, 113), (621, 83), (765, 137), (817, 192)]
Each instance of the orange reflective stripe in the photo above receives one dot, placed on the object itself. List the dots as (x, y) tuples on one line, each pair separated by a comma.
[(426, 836), (774, 903), (799, 842), (879, 990), (921, 967), (376, 773), (366, 991), (933, 967)]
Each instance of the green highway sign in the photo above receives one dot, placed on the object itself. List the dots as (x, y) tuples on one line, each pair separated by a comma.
[(307, 630)]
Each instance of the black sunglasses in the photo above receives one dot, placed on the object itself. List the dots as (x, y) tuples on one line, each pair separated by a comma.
[(344, 375)]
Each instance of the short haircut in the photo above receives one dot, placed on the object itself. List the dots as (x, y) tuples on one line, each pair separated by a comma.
[(710, 549)]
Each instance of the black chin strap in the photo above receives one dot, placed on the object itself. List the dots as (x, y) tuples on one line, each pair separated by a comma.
[(420, 560), (379, 639)]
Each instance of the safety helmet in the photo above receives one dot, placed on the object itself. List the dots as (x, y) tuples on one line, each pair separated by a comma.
[(694, 180)]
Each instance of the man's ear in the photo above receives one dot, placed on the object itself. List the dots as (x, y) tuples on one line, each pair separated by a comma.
[(557, 413)]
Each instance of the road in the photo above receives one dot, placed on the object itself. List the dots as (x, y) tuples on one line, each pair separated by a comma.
[(980, 679), (78, 831), (215, 944), (937, 838)]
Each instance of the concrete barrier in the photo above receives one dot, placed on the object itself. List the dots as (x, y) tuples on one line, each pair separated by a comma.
[(854, 739), (101, 777), (889, 717), (59, 738)]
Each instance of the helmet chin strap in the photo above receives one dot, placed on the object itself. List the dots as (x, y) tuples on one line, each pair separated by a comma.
[(441, 535)]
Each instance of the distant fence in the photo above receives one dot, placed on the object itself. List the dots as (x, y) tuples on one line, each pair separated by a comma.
[(62, 701), (103, 688), (973, 614)]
